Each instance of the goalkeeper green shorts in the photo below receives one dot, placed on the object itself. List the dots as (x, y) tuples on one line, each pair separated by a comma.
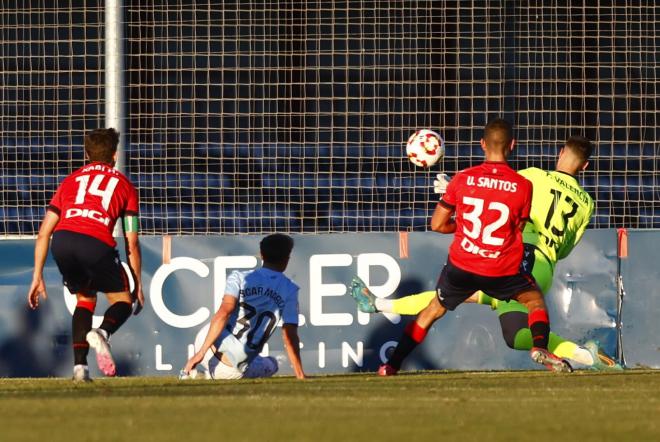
[(542, 269)]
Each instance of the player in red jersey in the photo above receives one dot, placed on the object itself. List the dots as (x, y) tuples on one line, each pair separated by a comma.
[(491, 203), (81, 218)]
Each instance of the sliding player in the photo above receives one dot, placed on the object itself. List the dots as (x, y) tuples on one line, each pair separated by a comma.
[(254, 302), (560, 213), (81, 218)]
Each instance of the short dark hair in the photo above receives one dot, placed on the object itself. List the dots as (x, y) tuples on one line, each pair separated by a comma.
[(276, 248), (504, 131), (101, 144), (580, 146)]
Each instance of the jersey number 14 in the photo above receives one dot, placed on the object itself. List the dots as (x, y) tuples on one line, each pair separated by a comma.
[(84, 188)]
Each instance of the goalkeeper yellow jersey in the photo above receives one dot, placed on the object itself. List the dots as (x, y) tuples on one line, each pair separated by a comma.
[(561, 210)]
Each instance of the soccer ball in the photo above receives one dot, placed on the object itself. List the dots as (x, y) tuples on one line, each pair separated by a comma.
[(425, 148)]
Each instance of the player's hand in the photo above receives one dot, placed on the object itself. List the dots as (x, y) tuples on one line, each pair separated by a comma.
[(184, 375), (37, 289), (138, 301), (440, 183), (192, 362)]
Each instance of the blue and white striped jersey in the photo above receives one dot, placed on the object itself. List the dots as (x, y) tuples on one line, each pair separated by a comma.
[(265, 298)]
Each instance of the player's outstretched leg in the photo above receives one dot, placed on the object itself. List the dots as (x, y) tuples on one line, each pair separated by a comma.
[(366, 300), (98, 340), (601, 360)]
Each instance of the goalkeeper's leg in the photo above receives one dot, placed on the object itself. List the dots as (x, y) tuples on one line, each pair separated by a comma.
[(369, 303), (413, 304), (408, 305), (516, 334), (513, 319)]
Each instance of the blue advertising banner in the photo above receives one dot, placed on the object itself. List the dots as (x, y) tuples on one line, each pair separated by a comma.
[(184, 280), (641, 306)]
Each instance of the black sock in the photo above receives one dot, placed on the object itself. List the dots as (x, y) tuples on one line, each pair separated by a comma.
[(540, 334), (115, 316), (81, 324), (405, 346), (413, 335)]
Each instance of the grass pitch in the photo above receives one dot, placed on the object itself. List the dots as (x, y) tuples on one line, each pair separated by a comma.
[(438, 406)]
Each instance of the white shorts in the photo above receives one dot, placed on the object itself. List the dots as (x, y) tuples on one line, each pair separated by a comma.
[(259, 367)]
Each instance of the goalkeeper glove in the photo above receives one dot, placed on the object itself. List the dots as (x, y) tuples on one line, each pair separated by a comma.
[(440, 183)]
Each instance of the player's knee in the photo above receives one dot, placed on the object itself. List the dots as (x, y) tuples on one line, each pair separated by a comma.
[(435, 309), (533, 300)]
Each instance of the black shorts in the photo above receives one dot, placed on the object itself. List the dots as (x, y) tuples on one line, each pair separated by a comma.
[(455, 285), (88, 265)]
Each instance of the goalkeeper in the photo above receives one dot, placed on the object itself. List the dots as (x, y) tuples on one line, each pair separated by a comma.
[(560, 212)]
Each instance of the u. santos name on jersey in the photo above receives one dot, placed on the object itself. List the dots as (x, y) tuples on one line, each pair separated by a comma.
[(492, 183), (259, 291)]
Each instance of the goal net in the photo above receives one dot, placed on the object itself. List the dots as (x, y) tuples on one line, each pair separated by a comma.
[(51, 72), (261, 116)]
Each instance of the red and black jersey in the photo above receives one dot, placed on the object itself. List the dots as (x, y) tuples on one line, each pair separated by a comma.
[(491, 201), (90, 200)]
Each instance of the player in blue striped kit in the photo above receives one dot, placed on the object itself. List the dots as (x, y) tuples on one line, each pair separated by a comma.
[(253, 304)]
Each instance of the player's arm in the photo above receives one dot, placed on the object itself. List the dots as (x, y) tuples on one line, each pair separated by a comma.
[(292, 345), (218, 323), (442, 220), (134, 254), (40, 253)]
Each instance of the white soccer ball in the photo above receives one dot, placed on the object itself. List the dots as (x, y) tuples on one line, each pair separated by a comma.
[(425, 148)]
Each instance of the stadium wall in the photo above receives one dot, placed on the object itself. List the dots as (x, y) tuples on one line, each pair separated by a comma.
[(184, 281)]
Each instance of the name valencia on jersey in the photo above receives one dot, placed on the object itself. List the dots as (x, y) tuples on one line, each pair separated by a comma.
[(580, 193)]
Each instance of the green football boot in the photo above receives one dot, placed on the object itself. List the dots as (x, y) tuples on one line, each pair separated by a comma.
[(602, 362), (366, 300)]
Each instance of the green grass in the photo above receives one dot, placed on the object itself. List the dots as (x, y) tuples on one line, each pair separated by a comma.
[(438, 406)]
